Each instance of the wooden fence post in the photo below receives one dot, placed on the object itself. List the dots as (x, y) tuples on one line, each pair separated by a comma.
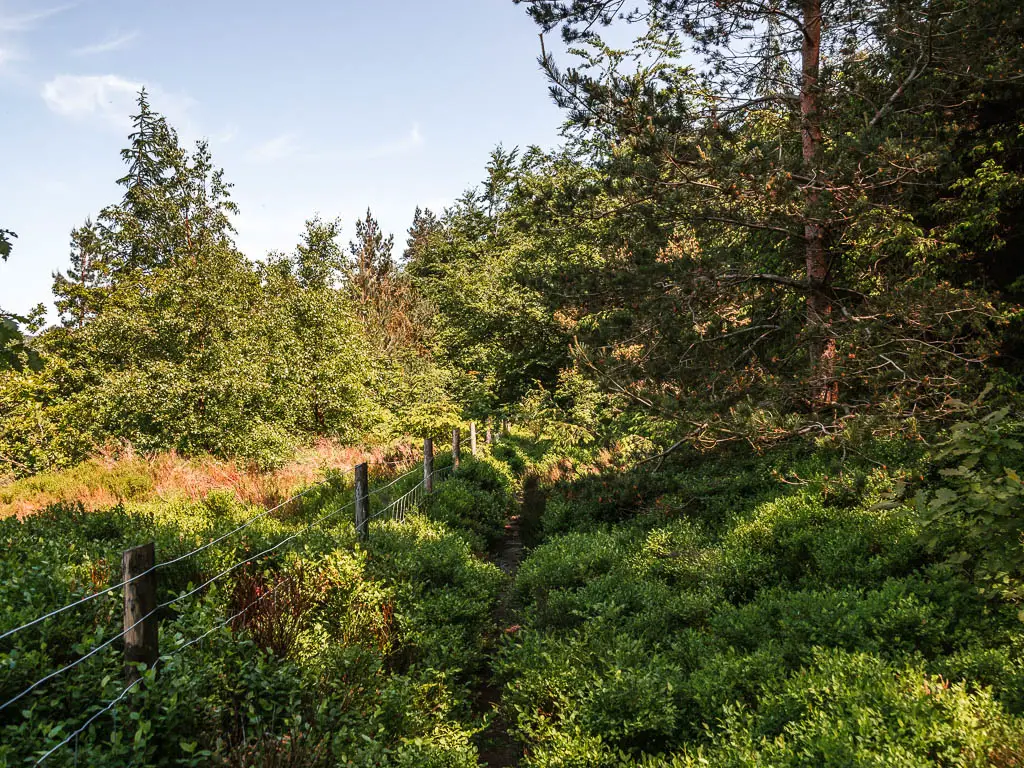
[(362, 502), (428, 465), (472, 437), (141, 639), (490, 431), (456, 448), (504, 427)]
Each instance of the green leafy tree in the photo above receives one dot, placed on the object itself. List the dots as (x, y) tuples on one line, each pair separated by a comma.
[(787, 200), (482, 268), (5, 243), (326, 365), (173, 339), (15, 351)]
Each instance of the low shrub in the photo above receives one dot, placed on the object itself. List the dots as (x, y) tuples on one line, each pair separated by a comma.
[(468, 509), (336, 654), (856, 709), (567, 562), (444, 596), (682, 620), (974, 514), (798, 540), (488, 474)]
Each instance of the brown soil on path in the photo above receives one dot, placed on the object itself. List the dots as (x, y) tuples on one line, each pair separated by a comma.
[(498, 749)]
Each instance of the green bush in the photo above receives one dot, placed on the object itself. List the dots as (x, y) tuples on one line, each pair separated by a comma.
[(798, 540), (999, 668), (469, 509), (510, 457), (356, 658), (975, 517), (567, 562), (903, 617), (488, 474), (681, 620), (444, 595), (855, 709)]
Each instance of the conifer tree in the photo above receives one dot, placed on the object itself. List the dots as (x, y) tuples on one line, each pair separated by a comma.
[(371, 264), (79, 292), (175, 204), (799, 153), (423, 227)]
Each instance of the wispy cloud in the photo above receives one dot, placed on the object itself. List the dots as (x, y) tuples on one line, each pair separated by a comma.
[(277, 148), (113, 44), (226, 135), (287, 147), (109, 99), (409, 143), (19, 22)]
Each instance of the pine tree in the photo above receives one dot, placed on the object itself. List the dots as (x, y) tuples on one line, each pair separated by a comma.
[(137, 224), (424, 225), (804, 136), (80, 291), (175, 205), (147, 166), (371, 263)]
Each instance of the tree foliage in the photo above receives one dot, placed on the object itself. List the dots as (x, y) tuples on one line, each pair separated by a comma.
[(171, 338), (740, 225)]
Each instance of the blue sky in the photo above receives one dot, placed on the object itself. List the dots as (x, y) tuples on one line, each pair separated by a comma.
[(310, 106)]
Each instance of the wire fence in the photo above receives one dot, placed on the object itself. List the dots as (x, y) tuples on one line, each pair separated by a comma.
[(251, 521), (396, 509), (73, 736)]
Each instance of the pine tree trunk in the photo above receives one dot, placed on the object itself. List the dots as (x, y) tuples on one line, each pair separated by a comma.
[(824, 388)]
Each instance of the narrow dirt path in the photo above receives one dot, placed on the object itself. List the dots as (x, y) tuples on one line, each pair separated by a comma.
[(497, 747)]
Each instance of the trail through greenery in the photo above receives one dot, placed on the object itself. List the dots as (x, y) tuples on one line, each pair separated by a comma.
[(757, 321), (497, 746)]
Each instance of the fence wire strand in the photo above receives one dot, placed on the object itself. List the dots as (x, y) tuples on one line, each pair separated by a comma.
[(250, 521), (398, 508), (157, 566), (258, 555), (75, 604), (76, 662), (401, 477), (165, 604), (397, 502), (113, 702)]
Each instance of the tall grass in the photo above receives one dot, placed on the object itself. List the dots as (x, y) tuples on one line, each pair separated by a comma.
[(120, 475)]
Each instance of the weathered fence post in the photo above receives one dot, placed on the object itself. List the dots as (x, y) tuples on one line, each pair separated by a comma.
[(472, 437), (504, 427), (141, 641), (456, 448), (428, 465), (490, 430), (362, 501)]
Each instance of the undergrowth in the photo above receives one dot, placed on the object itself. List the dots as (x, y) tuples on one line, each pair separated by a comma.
[(346, 653), (792, 608)]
